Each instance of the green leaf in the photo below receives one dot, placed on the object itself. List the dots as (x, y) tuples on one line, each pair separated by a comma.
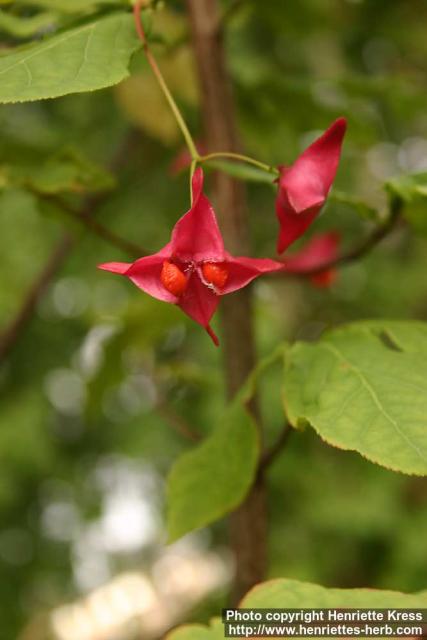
[(242, 171), (363, 387), (25, 27), (198, 632), (408, 187), (208, 482), (70, 170), (362, 209), (212, 479), (70, 6), (67, 171), (412, 190), (90, 57), (291, 594)]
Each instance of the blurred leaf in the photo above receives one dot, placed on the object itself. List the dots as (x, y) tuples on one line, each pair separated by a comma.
[(408, 187), (362, 209), (412, 189), (67, 171), (25, 27), (198, 632), (363, 387), (209, 481), (297, 595), (242, 171), (70, 170), (66, 6), (81, 59)]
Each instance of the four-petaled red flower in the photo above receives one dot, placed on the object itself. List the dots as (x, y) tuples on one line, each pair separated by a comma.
[(193, 270), (304, 186), (319, 252)]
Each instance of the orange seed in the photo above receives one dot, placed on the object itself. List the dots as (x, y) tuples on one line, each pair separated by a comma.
[(215, 273), (173, 279)]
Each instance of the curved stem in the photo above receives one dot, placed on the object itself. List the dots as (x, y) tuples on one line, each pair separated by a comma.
[(270, 454), (239, 158), (192, 170), (127, 246), (162, 82), (364, 247)]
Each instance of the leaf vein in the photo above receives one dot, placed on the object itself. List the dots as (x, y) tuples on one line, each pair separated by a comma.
[(50, 45), (85, 53), (374, 397)]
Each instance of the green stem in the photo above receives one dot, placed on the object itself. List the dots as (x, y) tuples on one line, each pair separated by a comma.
[(240, 158), (160, 79), (192, 170)]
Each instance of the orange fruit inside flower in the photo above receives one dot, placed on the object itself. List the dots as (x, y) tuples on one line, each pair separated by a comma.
[(215, 273), (173, 279)]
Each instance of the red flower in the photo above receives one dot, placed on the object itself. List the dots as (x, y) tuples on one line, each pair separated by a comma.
[(320, 250), (304, 187), (193, 270)]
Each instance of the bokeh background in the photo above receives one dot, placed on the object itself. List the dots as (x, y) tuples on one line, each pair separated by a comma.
[(93, 390)]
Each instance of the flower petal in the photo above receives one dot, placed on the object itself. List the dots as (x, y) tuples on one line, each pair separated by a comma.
[(145, 274), (199, 301), (241, 271), (196, 236), (115, 267), (319, 251), (310, 178), (303, 187), (292, 225)]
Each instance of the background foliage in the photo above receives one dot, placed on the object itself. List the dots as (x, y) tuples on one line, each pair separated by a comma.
[(84, 428)]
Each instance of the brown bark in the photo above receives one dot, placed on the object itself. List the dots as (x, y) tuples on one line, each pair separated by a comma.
[(248, 523)]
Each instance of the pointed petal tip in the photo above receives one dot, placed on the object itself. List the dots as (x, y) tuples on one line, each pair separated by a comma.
[(332, 137), (213, 335), (115, 267), (340, 123), (340, 126)]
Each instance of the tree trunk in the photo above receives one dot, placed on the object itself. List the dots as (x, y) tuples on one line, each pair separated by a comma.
[(248, 523)]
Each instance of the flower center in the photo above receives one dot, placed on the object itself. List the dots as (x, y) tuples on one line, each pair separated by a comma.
[(215, 273), (173, 279)]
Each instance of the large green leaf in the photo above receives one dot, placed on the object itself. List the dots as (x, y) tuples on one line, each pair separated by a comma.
[(89, 57), (363, 387), (289, 594), (292, 594), (209, 481)]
